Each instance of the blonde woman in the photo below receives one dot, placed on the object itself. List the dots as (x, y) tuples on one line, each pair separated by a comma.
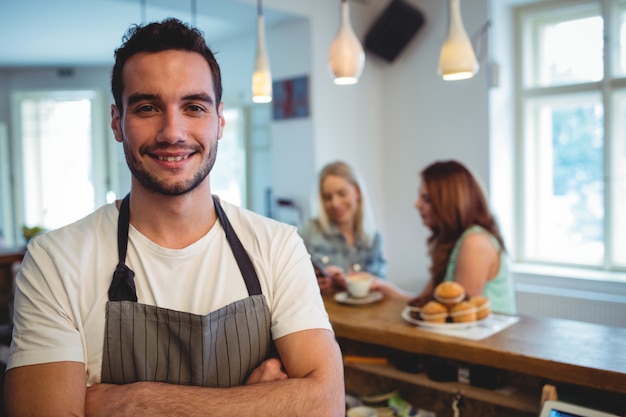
[(342, 238)]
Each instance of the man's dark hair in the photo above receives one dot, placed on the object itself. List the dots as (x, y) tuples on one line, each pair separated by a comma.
[(162, 36)]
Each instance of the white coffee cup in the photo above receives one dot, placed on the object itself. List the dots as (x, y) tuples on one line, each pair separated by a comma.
[(358, 284)]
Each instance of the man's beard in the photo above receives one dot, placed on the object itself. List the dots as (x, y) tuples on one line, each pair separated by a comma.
[(153, 184)]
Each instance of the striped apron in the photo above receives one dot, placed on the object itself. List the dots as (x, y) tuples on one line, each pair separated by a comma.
[(148, 343)]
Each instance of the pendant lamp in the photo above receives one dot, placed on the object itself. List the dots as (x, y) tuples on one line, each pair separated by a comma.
[(262, 76), (457, 60), (346, 57)]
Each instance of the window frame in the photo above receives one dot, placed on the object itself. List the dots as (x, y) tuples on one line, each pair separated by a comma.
[(100, 156), (610, 84)]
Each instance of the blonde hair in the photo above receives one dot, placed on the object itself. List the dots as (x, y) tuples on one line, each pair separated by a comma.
[(363, 223)]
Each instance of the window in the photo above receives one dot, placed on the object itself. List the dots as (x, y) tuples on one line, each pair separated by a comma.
[(60, 156), (572, 94), (228, 178), (6, 219)]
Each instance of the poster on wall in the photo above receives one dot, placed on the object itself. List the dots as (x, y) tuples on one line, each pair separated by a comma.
[(290, 98)]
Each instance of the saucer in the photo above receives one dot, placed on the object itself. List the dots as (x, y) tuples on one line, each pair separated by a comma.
[(344, 298), (361, 411)]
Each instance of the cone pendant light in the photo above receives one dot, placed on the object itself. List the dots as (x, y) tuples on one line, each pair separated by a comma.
[(262, 76), (457, 60), (346, 57)]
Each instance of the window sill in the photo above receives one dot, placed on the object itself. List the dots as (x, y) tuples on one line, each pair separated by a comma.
[(561, 280)]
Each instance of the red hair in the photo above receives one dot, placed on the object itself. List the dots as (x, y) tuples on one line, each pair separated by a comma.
[(458, 202)]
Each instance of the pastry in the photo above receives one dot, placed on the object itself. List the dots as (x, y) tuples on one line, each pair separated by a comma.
[(483, 306), (434, 312), (463, 312), (449, 293)]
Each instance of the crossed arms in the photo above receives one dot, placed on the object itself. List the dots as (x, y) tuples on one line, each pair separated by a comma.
[(311, 385)]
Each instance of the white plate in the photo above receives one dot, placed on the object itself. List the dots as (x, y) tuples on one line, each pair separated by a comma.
[(407, 317), (361, 411), (344, 298)]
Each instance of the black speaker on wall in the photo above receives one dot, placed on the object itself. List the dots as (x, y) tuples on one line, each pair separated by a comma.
[(393, 29)]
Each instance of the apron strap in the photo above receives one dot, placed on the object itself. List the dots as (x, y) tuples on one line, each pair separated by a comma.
[(123, 285), (241, 256)]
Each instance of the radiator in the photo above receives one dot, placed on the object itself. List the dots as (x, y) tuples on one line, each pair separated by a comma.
[(591, 307)]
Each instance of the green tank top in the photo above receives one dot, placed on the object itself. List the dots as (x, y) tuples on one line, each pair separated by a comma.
[(499, 290)]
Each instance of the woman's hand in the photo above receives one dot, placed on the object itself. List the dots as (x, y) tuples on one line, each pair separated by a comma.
[(337, 276), (420, 301), (324, 282), (425, 296)]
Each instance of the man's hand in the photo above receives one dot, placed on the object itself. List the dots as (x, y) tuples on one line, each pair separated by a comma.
[(269, 370)]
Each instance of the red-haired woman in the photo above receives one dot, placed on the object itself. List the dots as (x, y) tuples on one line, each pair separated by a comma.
[(465, 244)]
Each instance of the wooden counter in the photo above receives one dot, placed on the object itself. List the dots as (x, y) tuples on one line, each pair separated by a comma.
[(7, 258), (578, 353)]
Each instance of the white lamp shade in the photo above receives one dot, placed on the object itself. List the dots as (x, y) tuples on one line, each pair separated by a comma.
[(346, 57), (262, 76), (457, 60)]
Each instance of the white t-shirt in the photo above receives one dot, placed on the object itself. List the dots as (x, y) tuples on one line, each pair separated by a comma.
[(62, 288)]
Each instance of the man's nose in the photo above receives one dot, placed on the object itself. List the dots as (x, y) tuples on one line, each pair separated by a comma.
[(172, 127)]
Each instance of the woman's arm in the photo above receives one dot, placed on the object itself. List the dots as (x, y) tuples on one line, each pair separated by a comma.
[(390, 289), (477, 262), (425, 295)]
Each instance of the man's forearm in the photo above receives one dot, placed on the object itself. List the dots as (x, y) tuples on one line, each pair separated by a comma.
[(290, 397), (315, 388)]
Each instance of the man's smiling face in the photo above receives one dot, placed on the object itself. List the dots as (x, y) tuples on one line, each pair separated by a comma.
[(171, 123)]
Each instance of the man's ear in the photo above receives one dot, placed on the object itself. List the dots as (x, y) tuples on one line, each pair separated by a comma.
[(116, 123), (222, 120)]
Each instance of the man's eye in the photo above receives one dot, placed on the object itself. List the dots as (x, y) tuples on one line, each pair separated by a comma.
[(195, 108), (146, 108)]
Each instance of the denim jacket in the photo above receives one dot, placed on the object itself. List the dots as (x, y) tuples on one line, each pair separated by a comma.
[(332, 249)]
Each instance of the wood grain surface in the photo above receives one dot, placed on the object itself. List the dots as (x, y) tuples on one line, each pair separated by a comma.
[(579, 353)]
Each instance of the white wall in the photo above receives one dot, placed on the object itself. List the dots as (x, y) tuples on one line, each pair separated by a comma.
[(427, 119)]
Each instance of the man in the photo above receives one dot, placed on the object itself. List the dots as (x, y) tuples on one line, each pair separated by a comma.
[(203, 291)]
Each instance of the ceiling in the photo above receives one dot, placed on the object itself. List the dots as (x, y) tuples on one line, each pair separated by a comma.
[(86, 32)]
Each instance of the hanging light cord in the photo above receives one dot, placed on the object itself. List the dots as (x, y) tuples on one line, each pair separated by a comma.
[(143, 11), (259, 7), (194, 12)]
